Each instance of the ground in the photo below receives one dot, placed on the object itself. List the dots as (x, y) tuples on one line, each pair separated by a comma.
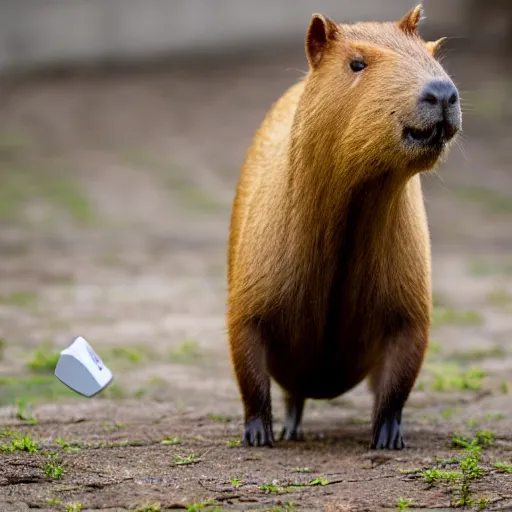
[(114, 206)]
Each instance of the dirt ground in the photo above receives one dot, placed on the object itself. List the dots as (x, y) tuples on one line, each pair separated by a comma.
[(114, 207)]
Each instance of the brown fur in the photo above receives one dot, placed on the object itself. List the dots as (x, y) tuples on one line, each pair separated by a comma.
[(329, 252)]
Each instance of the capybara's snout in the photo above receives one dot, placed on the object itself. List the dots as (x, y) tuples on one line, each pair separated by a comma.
[(437, 118)]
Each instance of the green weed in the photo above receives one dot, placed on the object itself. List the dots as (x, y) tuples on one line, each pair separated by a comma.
[(44, 360), (494, 416), (235, 482), (475, 355), (482, 503), (186, 353), (150, 507), (38, 388), (195, 507), (134, 355), (302, 470), (67, 195), (19, 299), (66, 446), (171, 440), (182, 461), (53, 469), (492, 201), (234, 443), (500, 298), (19, 443), (433, 475), (319, 481), (112, 427), (447, 413), (490, 268), (449, 378), (403, 503), (73, 507), (470, 469), (503, 468), (442, 316), (271, 488), (24, 412), (219, 418)]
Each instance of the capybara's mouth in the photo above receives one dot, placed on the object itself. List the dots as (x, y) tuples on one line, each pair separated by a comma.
[(431, 137)]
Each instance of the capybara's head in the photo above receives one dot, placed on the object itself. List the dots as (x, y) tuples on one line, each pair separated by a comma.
[(376, 94)]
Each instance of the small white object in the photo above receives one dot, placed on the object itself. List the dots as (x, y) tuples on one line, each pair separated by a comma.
[(82, 370)]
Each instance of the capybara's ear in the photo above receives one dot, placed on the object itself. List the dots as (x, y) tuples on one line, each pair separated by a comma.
[(321, 32), (409, 23), (434, 47)]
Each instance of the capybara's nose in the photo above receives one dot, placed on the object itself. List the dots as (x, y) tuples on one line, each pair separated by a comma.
[(439, 104), (440, 94)]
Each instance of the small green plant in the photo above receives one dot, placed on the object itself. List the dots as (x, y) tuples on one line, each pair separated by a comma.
[(447, 413), (195, 507), (287, 507), (302, 470), (503, 468), (235, 482), (66, 446), (131, 354), (494, 416), (470, 466), (19, 299), (451, 378), (150, 507), (482, 503), (271, 488), (442, 315), (234, 443), (20, 443), (504, 388), (24, 412), (219, 418), (182, 461), (44, 360), (470, 469), (73, 507), (319, 481), (112, 427), (186, 353), (53, 501), (171, 440), (484, 437), (472, 422), (53, 469), (403, 503), (433, 475), (2, 348)]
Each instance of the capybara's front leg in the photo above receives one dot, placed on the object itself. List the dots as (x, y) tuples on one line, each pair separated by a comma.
[(249, 361), (292, 430), (392, 381)]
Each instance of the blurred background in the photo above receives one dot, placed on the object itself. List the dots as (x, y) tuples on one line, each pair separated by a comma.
[(123, 126)]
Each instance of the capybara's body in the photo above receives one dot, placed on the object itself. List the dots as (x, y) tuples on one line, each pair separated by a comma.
[(329, 253)]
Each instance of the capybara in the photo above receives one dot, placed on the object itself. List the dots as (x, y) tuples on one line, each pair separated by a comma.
[(329, 270)]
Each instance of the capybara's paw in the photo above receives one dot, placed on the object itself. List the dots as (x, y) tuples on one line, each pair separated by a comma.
[(292, 434), (258, 433), (387, 435)]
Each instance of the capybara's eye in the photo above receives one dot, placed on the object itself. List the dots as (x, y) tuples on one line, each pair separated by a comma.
[(357, 65)]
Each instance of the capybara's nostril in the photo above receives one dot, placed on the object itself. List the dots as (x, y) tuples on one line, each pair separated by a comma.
[(439, 92)]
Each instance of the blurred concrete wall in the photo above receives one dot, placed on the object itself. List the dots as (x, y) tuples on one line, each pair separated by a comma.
[(35, 33)]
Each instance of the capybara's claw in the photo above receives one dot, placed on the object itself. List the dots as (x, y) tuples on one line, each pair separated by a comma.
[(258, 433)]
